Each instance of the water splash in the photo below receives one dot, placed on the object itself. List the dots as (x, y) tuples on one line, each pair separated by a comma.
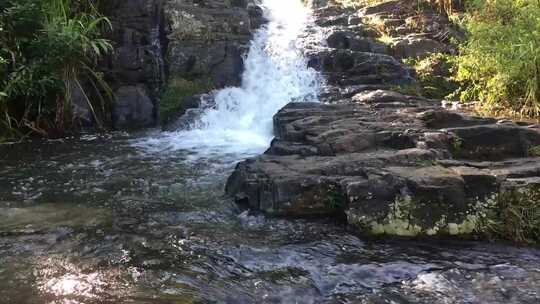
[(276, 74)]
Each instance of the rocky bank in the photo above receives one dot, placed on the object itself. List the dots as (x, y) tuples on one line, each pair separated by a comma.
[(393, 164)]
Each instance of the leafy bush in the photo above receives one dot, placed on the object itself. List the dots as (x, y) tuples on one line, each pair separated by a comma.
[(434, 75), (49, 49), (515, 217), (499, 65)]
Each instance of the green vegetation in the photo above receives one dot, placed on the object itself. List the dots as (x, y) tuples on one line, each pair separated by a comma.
[(333, 199), (447, 6), (175, 94), (434, 75), (408, 89), (499, 65), (48, 52), (534, 151), (496, 67), (515, 216)]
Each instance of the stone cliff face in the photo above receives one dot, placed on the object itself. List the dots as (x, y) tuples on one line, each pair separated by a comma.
[(394, 164), (137, 70), (208, 38), (160, 39)]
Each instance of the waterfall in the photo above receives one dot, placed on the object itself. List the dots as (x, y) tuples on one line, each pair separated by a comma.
[(276, 73)]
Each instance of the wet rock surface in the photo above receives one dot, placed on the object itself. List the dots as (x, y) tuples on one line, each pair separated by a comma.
[(394, 164), (100, 220)]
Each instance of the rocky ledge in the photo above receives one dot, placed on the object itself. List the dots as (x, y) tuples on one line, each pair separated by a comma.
[(157, 41), (393, 164)]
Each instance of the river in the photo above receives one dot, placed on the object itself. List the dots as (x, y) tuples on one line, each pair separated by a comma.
[(142, 217)]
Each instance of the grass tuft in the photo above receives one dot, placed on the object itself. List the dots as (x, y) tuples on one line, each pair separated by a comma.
[(515, 217)]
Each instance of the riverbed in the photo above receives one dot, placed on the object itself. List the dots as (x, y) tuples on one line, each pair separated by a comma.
[(102, 219)]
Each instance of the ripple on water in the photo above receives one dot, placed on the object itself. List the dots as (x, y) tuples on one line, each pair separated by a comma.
[(159, 231)]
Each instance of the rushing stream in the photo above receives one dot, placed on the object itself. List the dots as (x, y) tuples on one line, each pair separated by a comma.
[(141, 218)]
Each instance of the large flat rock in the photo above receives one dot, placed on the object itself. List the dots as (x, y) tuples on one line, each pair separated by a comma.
[(393, 164)]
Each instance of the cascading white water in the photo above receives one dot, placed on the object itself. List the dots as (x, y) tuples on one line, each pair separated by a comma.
[(276, 73)]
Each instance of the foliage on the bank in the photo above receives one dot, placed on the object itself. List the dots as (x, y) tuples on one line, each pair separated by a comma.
[(499, 65), (434, 75), (447, 6), (174, 95), (514, 216), (48, 50)]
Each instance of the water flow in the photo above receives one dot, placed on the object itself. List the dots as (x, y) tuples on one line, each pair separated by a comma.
[(276, 73)]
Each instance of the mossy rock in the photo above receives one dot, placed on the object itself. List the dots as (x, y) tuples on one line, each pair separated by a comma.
[(175, 94)]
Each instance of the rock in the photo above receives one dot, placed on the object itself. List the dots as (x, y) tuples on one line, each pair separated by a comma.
[(133, 108), (346, 67), (384, 7), (158, 39), (417, 47), (189, 111), (137, 67), (351, 41), (494, 142), (441, 118), (390, 170), (208, 40), (378, 96), (256, 16)]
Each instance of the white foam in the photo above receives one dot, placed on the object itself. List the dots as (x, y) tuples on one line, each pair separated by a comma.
[(275, 74)]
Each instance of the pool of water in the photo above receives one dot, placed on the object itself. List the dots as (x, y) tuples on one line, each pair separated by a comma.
[(98, 219)]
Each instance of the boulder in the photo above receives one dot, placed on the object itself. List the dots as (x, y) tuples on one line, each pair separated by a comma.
[(189, 111), (417, 47), (493, 142), (133, 108), (349, 40), (347, 67), (379, 96)]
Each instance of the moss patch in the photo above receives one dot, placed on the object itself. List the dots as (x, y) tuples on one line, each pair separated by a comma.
[(534, 151), (455, 147), (511, 215), (334, 200), (401, 221), (174, 95)]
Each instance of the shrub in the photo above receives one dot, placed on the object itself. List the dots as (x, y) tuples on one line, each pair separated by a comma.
[(499, 65), (515, 217), (433, 74), (48, 49)]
